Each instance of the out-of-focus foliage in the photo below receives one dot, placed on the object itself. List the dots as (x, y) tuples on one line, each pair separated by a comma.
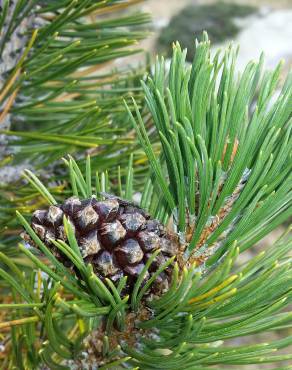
[(63, 91), (217, 19)]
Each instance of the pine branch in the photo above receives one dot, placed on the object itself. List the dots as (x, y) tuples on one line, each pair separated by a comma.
[(61, 92), (197, 312), (218, 181), (224, 167), (63, 80)]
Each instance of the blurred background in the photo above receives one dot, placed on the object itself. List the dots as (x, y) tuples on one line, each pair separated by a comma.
[(257, 25)]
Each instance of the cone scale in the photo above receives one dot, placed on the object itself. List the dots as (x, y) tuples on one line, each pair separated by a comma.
[(115, 236)]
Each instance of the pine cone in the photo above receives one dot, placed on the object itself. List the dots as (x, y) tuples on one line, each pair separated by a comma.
[(115, 236)]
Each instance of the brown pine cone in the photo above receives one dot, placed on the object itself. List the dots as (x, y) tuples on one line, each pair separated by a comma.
[(115, 236)]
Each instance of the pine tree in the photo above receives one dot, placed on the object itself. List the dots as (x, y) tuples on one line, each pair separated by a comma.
[(220, 180), (61, 92)]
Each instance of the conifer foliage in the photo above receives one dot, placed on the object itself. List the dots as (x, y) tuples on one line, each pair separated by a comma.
[(224, 170), (220, 180), (60, 76), (61, 90)]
